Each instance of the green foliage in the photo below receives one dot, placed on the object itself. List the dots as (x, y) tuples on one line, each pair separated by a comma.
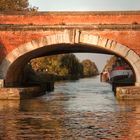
[(16, 5), (64, 65), (72, 64), (110, 63), (90, 68), (50, 64)]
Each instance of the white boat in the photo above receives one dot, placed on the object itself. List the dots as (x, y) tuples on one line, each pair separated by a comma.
[(121, 72)]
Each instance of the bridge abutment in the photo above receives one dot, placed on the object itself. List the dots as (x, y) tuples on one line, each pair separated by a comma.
[(17, 93), (137, 84), (128, 93), (1, 83), (20, 93)]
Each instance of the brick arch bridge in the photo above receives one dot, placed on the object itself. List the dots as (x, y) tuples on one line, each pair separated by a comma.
[(24, 36)]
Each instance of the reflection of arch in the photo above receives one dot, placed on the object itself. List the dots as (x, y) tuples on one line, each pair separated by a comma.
[(66, 41)]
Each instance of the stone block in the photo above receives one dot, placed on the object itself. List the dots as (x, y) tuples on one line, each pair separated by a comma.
[(25, 48), (50, 39), (121, 49), (35, 43), (128, 93), (113, 45), (90, 39), (13, 93), (1, 83), (21, 93), (132, 56), (109, 43), (136, 67), (102, 42), (137, 64), (39, 43), (77, 36), (15, 53), (4, 67)]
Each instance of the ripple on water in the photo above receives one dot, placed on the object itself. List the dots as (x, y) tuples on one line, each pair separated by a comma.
[(77, 110)]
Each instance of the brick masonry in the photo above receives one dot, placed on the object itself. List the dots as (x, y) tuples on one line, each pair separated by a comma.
[(21, 33)]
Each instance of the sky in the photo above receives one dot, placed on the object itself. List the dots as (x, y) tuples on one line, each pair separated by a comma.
[(88, 5), (85, 5)]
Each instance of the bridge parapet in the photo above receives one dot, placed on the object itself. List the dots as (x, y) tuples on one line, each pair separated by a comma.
[(62, 18), (100, 27)]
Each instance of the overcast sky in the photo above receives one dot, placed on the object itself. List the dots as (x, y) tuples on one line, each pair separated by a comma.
[(87, 5)]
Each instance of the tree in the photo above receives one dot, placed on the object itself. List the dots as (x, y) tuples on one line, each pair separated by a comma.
[(73, 65), (64, 66), (16, 5), (51, 64), (109, 65), (89, 68)]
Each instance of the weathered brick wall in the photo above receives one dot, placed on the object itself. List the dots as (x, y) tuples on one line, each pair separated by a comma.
[(12, 39), (71, 18), (17, 29)]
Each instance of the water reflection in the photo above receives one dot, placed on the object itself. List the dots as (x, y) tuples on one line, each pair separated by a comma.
[(82, 110), (30, 119)]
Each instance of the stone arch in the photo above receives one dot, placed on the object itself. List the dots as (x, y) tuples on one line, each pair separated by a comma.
[(71, 37), (116, 48)]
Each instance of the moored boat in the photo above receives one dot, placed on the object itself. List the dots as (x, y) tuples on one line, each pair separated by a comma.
[(121, 74)]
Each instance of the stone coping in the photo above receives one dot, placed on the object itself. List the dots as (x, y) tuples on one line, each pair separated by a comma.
[(14, 93), (28, 27), (74, 13), (128, 93)]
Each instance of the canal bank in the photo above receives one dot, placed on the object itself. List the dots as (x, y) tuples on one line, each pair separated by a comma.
[(123, 90), (17, 93)]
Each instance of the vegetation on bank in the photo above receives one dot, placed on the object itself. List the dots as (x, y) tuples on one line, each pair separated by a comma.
[(109, 65), (89, 68), (108, 68), (61, 67)]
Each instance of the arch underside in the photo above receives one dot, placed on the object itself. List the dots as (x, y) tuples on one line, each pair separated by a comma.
[(11, 69)]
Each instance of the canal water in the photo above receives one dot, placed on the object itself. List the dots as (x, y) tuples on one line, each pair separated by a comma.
[(77, 110)]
